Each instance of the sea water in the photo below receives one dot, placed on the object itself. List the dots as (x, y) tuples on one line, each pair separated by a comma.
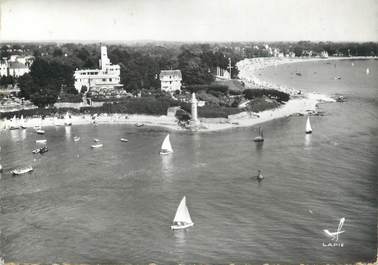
[(115, 204)]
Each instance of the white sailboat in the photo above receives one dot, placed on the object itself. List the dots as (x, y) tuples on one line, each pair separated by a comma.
[(67, 120), (367, 71), (308, 126), (182, 218), (22, 122), (14, 123), (166, 147)]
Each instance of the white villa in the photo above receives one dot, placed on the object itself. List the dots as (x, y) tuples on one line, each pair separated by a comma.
[(107, 77), (170, 80), (16, 65)]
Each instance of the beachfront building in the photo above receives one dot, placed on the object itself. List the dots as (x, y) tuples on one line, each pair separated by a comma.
[(17, 69), (3, 67), (105, 78), (16, 65), (170, 80)]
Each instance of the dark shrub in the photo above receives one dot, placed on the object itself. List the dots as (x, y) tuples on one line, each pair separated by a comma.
[(271, 93)]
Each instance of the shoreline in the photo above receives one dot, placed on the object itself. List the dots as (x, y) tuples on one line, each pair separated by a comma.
[(301, 104)]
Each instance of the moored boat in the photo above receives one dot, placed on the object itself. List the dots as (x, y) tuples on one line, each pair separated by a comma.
[(259, 176), (41, 150), (23, 170), (124, 140), (96, 145), (41, 141), (76, 138), (139, 124), (182, 218), (166, 147), (40, 131), (260, 137)]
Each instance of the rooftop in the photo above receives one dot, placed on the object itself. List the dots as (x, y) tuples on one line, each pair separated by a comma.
[(173, 73), (17, 65)]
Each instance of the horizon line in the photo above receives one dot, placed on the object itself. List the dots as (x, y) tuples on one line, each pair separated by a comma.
[(180, 41)]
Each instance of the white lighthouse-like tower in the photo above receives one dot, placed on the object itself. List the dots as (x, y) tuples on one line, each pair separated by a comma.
[(194, 109), (104, 61)]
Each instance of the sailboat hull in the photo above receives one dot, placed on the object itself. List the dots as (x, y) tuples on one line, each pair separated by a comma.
[(178, 227), (165, 152), (258, 139)]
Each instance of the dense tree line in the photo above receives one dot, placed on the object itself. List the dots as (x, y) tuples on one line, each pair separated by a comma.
[(141, 64), (47, 78)]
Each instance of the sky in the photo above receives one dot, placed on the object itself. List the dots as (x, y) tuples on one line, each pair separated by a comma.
[(189, 20)]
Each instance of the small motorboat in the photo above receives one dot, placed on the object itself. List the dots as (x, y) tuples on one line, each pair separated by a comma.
[(340, 99), (41, 141), (337, 77), (76, 138), (124, 140), (19, 171), (182, 218), (40, 131), (41, 150), (96, 145), (1, 168), (259, 176), (298, 74), (96, 140), (139, 124), (260, 137)]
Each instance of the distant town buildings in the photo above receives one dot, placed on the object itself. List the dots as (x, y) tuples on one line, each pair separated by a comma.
[(170, 80), (16, 65), (105, 78)]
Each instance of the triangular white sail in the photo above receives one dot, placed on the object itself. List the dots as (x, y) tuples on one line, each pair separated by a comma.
[(14, 121), (67, 119), (166, 145), (182, 213), (308, 126), (22, 121)]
